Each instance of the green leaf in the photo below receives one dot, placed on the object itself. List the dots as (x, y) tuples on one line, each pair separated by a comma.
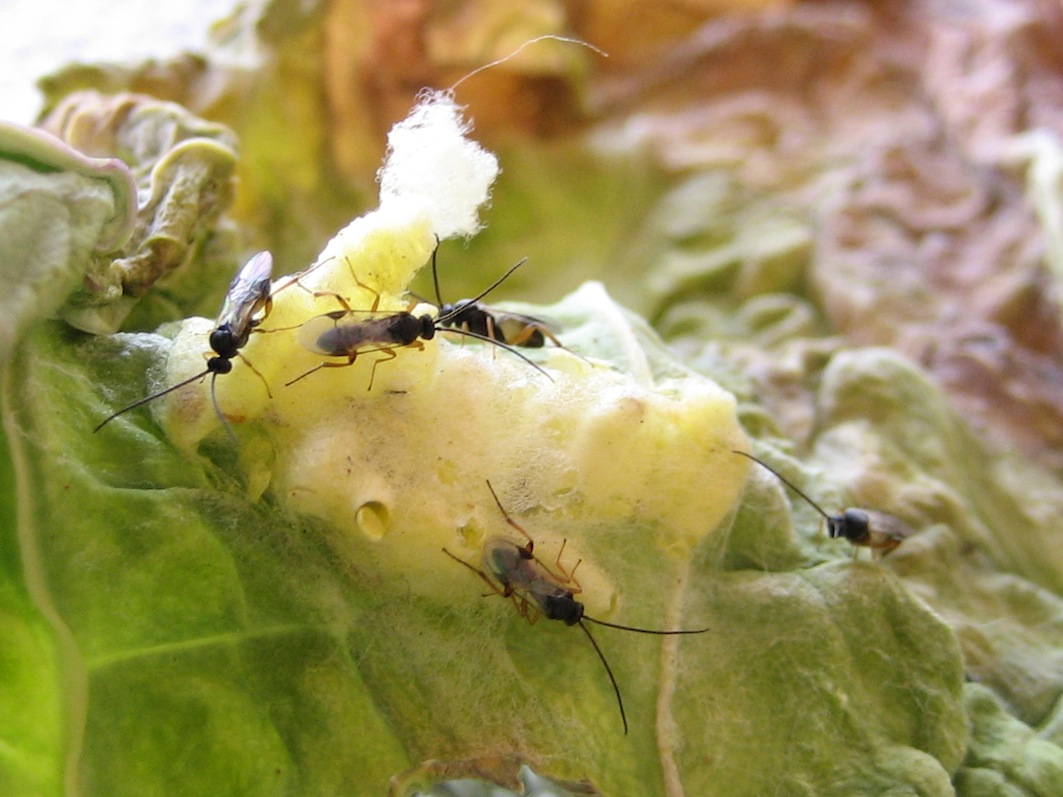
[(31, 718), (211, 646), (228, 645), (1005, 756)]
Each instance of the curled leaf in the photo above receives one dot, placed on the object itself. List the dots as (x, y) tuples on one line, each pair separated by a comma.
[(183, 168), (62, 211)]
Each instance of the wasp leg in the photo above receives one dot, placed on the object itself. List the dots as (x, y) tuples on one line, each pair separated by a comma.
[(504, 592), (247, 362), (567, 577), (510, 520)]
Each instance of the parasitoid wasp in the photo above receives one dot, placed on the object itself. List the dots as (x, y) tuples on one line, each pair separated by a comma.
[(471, 315), (515, 572), (862, 527), (351, 333), (247, 302)]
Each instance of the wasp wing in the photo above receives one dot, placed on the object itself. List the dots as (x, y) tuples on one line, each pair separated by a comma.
[(885, 532), (247, 293), (883, 526), (343, 333), (525, 330)]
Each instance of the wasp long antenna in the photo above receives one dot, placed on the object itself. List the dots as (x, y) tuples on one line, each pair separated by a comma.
[(609, 672), (516, 52), (435, 275), (217, 409), (443, 319), (152, 397), (788, 483), (467, 333), (645, 630)]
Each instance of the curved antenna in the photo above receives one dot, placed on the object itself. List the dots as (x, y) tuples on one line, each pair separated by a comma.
[(443, 319), (609, 671), (217, 409), (435, 275), (498, 343), (645, 630), (516, 52), (787, 482), (152, 397)]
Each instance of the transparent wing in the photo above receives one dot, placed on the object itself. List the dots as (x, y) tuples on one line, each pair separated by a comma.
[(529, 578), (886, 527), (344, 332), (247, 293), (528, 320)]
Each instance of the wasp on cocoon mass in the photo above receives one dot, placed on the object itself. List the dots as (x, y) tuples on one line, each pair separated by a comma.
[(513, 571), (350, 333), (503, 326), (247, 303)]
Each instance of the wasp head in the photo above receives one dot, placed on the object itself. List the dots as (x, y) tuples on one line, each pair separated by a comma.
[(852, 524), (562, 607)]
